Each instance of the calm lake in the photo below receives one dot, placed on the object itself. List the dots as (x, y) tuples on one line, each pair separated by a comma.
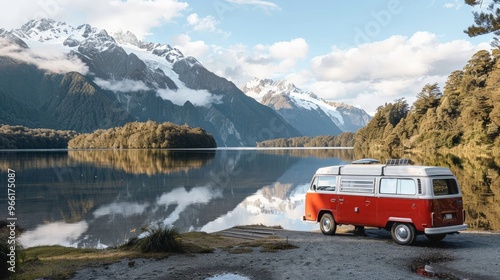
[(99, 198)]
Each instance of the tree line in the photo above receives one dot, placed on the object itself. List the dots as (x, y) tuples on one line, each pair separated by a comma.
[(345, 139), (20, 137)]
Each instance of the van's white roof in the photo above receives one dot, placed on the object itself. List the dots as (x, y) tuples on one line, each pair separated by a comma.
[(382, 169)]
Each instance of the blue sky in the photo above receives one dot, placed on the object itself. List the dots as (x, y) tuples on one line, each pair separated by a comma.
[(364, 53)]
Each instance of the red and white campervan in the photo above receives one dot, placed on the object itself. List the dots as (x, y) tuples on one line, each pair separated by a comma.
[(405, 199)]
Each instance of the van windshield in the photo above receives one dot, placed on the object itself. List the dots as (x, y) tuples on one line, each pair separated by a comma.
[(444, 186), (326, 183)]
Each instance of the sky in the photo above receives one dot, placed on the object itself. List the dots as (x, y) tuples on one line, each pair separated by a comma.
[(363, 53)]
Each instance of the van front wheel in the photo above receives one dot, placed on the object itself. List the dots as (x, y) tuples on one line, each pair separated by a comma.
[(327, 224), (403, 233)]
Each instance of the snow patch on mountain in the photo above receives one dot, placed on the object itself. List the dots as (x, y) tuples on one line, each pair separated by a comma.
[(262, 89), (53, 46)]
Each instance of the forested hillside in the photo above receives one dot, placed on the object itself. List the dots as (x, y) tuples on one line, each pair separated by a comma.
[(148, 135), (466, 112)]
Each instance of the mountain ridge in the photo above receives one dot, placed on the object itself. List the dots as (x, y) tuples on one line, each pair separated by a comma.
[(311, 115), (128, 80)]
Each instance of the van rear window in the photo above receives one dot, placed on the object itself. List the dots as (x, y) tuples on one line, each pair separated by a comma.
[(397, 186), (444, 186)]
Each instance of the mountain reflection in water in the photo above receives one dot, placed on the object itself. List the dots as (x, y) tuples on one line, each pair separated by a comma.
[(100, 198)]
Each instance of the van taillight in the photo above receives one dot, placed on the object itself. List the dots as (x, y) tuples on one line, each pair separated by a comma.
[(463, 214), (432, 218)]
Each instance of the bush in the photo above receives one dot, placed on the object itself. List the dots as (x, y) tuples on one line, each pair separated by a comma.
[(160, 239)]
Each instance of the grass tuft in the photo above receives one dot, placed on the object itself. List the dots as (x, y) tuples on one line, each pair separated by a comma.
[(160, 239)]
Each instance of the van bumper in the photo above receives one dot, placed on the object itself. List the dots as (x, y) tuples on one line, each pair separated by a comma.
[(449, 229)]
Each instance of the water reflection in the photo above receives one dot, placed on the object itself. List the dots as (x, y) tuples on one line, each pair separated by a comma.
[(148, 162), (56, 233), (277, 205), (98, 198), (181, 199), (102, 198)]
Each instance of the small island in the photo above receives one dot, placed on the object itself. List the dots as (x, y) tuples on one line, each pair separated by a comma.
[(145, 135)]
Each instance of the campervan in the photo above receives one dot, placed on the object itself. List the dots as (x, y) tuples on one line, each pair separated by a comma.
[(405, 199)]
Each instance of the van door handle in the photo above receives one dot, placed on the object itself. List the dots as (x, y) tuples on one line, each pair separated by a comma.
[(341, 200), (367, 202), (333, 200)]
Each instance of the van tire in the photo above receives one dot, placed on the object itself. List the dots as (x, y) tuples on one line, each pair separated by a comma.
[(435, 237), (327, 224), (403, 233)]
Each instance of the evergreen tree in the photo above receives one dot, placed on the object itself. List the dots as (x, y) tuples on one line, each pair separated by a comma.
[(486, 21), (428, 98)]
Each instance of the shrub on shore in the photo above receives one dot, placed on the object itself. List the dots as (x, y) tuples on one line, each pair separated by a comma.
[(160, 239)]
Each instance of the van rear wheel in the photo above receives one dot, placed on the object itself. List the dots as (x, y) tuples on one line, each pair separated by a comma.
[(327, 224), (403, 233), (435, 237)]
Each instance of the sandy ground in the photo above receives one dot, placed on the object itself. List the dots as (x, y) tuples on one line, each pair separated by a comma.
[(469, 255)]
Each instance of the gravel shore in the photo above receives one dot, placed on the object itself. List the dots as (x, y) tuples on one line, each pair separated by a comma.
[(469, 255)]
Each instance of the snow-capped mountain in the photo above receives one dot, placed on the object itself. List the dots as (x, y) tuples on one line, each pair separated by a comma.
[(308, 113), (84, 78)]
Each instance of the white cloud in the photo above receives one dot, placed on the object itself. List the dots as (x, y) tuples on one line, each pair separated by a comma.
[(125, 85), (397, 56), (208, 23), (372, 74), (267, 6), (50, 59), (196, 49), (138, 16), (178, 97), (240, 63), (456, 4), (182, 95)]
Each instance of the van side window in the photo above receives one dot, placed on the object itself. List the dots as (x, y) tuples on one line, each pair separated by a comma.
[(326, 183), (357, 185), (397, 186), (444, 186)]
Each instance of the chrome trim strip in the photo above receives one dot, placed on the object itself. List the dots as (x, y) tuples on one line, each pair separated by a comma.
[(402, 220)]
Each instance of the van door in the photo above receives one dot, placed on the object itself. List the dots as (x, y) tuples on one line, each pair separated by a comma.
[(322, 195), (446, 203), (357, 204)]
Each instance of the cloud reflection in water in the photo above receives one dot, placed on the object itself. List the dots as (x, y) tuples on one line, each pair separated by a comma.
[(56, 233), (184, 198), (271, 206)]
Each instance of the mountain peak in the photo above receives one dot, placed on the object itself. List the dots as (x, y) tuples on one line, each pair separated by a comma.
[(126, 38), (304, 109), (41, 25), (258, 88)]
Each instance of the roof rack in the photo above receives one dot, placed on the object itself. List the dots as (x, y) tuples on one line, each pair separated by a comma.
[(398, 161), (366, 161)]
